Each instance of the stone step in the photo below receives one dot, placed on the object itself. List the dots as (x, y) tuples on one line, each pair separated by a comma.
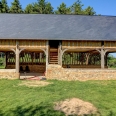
[(53, 50), (53, 54), (54, 57), (53, 62)]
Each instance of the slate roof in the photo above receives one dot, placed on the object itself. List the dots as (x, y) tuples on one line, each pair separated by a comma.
[(57, 27)]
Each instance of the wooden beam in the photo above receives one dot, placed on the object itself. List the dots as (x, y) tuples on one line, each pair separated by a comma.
[(102, 58), (5, 59), (62, 52), (47, 50), (102, 51), (17, 57), (59, 53), (87, 58)]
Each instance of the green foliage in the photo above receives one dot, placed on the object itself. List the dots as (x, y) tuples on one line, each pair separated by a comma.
[(2, 60), (62, 9), (29, 9), (16, 7), (0, 7), (89, 11), (5, 8), (49, 9), (42, 7), (76, 8), (111, 61)]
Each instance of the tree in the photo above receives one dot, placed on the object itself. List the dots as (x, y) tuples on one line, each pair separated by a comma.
[(29, 9), (43, 7), (76, 8), (49, 9), (62, 9), (0, 7), (111, 61), (5, 8), (89, 11), (35, 8), (16, 7)]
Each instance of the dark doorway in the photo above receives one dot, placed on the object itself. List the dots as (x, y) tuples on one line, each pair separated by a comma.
[(54, 43), (53, 55)]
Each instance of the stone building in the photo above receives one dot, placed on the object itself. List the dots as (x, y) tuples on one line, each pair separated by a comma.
[(67, 47)]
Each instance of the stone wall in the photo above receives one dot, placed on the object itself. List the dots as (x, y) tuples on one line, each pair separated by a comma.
[(57, 72), (9, 74), (84, 66)]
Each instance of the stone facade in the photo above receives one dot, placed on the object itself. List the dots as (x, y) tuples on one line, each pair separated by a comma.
[(57, 72), (9, 74), (84, 66)]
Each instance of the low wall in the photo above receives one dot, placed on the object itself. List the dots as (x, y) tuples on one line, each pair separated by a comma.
[(10, 67), (9, 74), (57, 72), (33, 68), (83, 66)]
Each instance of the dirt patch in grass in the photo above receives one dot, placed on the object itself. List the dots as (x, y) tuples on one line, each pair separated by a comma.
[(76, 107), (34, 83)]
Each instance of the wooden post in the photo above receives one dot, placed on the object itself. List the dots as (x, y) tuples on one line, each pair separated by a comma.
[(87, 58), (17, 57), (59, 54), (102, 52), (32, 58), (5, 59), (102, 58), (47, 50), (40, 56)]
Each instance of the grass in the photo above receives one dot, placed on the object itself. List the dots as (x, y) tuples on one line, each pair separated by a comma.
[(18, 100), (2, 67)]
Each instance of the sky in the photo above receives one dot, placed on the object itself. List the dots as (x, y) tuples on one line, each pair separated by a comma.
[(103, 7)]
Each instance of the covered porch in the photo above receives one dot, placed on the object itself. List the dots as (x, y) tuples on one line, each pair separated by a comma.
[(83, 60), (85, 54), (25, 58)]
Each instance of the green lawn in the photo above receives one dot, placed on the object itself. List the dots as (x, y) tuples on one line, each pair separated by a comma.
[(18, 100)]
